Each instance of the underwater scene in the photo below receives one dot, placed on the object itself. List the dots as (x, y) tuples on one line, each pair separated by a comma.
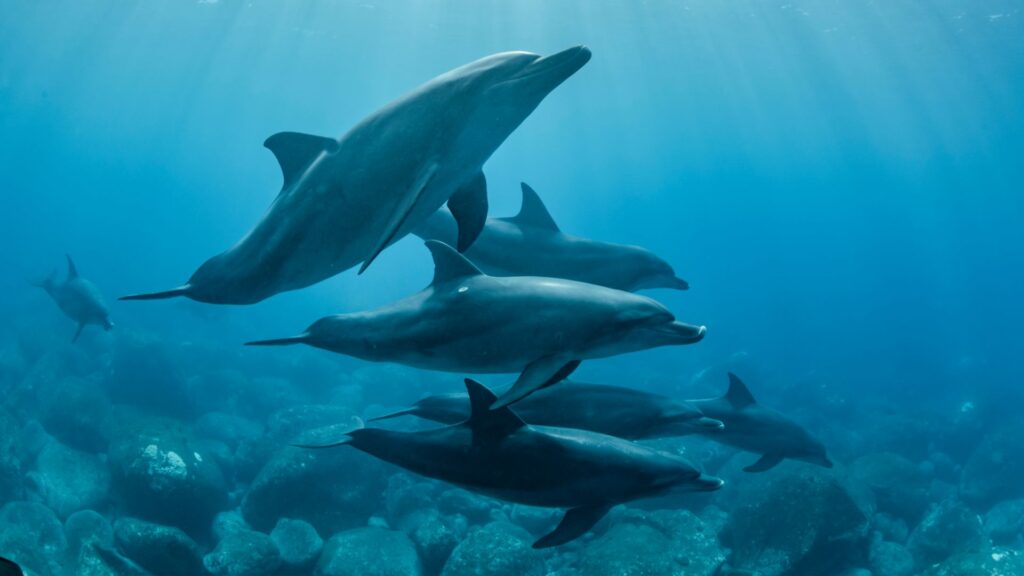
[(539, 288)]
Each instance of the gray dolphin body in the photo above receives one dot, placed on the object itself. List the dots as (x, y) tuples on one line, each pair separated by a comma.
[(753, 427), (468, 322), (78, 299), (497, 454), (344, 200), (531, 244), (613, 410)]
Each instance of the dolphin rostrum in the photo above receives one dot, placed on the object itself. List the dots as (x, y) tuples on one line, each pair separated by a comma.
[(531, 244), (466, 321), (494, 452), (78, 299), (613, 410), (753, 427), (344, 200)]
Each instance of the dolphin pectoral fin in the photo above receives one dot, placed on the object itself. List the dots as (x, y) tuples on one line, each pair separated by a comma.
[(767, 462), (540, 373), (296, 151), (575, 523), (469, 207), (78, 333), (401, 214)]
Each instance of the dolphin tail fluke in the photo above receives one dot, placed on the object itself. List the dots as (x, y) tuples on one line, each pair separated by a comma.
[(172, 293), (300, 339), (576, 523)]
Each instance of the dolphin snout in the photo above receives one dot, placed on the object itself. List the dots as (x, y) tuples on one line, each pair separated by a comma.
[(558, 66), (709, 424), (709, 483)]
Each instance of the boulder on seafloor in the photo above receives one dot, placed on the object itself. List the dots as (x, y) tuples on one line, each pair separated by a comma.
[(160, 549), (244, 553), (75, 411), (991, 562), (227, 428), (369, 552), (331, 489), (900, 487), (69, 480), (950, 528), (663, 542), (143, 374), (477, 509), (994, 470), (890, 559), (85, 527), (496, 549), (1004, 522), (299, 544), (798, 520), (435, 538), (31, 535), (10, 465), (410, 501), (285, 424), (166, 477)]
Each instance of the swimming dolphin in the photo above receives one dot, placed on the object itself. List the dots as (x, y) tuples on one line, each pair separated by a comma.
[(9, 568), (466, 321), (753, 427), (531, 244), (344, 200), (496, 453), (624, 412), (78, 299)]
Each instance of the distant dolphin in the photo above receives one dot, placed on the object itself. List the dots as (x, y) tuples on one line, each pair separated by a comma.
[(756, 428), (624, 412), (466, 321), (345, 200), (531, 244), (78, 298), (9, 568), (497, 454)]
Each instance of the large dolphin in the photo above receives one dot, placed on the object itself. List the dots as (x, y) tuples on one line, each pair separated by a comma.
[(753, 427), (468, 322), (613, 410), (531, 244), (344, 200), (78, 299), (495, 453)]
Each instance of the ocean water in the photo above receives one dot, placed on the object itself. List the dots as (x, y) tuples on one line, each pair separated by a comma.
[(840, 182)]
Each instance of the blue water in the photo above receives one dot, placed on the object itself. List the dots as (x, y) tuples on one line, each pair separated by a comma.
[(840, 182)]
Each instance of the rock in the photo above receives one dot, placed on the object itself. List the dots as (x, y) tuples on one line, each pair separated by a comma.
[(409, 502), (890, 559), (164, 477), (1004, 523), (10, 465), (900, 487), (496, 549), (31, 535), (992, 562), (227, 428), (298, 543), (799, 520), (994, 470), (287, 423), (536, 521), (143, 374), (75, 411), (251, 455), (331, 489), (85, 527), (369, 552), (244, 553), (69, 480), (434, 539), (891, 528), (160, 549), (669, 542), (950, 528), (227, 523), (476, 508)]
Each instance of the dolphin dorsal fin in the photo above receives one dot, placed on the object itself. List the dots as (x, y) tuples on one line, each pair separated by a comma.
[(489, 424), (449, 264), (738, 394), (72, 270), (295, 151), (533, 213)]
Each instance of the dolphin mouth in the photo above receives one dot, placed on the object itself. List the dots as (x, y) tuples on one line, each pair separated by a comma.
[(681, 332), (555, 67), (709, 424), (708, 483)]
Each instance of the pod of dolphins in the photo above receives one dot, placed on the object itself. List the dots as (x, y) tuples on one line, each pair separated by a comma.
[(509, 295)]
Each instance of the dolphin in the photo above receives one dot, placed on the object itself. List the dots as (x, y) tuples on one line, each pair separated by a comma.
[(9, 568), (344, 200), (612, 410), (531, 244), (467, 321), (495, 453), (753, 427), (78, 299)]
